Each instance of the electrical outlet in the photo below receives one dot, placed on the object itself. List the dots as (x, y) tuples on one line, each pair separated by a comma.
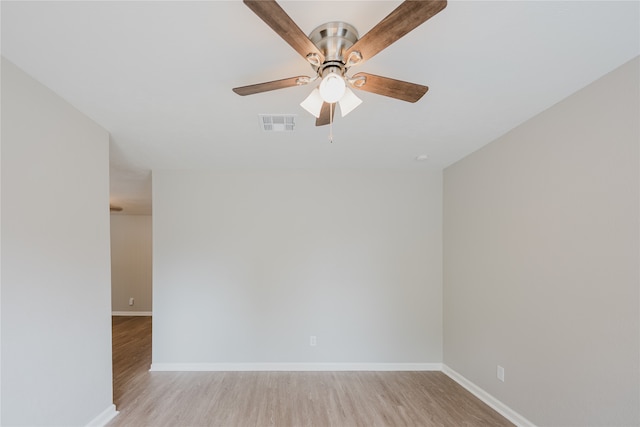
[(312, 340), (131, 301), (500, 373)]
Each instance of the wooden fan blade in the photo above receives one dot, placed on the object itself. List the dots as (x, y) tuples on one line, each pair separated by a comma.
[(328, 111), (406, 17), (398, 89), (267, 86), (275, 17)]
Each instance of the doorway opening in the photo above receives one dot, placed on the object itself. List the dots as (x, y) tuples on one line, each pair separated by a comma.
[(131, 300)]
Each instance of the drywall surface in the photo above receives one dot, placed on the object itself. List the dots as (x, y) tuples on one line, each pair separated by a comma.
[(541, 250), (248, 265), (131, 238), (56, 328)]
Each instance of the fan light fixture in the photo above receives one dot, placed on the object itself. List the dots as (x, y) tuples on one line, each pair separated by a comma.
[(313, 102), (332, 87), (349, 102)]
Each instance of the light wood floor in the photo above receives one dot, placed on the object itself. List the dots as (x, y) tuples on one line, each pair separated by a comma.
[(287, 399)]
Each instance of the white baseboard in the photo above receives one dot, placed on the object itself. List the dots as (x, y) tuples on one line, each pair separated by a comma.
[(244, 367), (131, 313), (491, 401), (102, 419)]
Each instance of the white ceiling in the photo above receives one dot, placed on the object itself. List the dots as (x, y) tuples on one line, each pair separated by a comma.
[(158, 76)]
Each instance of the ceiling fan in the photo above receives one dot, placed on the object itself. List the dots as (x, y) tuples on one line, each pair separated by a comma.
[(334, 47)]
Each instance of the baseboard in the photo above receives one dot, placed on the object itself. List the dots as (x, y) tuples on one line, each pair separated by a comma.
[(131, 313), (244, 367), (102, 419), (491, 401)]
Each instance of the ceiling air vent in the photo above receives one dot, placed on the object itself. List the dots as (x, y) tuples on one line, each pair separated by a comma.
[(277, 122)]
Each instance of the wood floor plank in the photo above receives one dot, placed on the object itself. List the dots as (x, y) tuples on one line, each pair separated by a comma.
[(280, 399)]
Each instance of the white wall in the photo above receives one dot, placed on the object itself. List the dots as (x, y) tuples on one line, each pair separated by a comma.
[(131, 237), (56, 330), (541, 276), (248, 265)]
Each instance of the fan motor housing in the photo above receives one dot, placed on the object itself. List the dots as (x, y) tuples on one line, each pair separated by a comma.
[(333, 38)]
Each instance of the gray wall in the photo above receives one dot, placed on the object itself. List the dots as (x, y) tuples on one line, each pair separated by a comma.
[(131, 237), (541, 273), (56, 329), (248, 265)]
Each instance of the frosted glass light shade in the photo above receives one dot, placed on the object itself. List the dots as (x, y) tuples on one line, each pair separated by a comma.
[(349, 102), (332, 87), (313, 103)]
